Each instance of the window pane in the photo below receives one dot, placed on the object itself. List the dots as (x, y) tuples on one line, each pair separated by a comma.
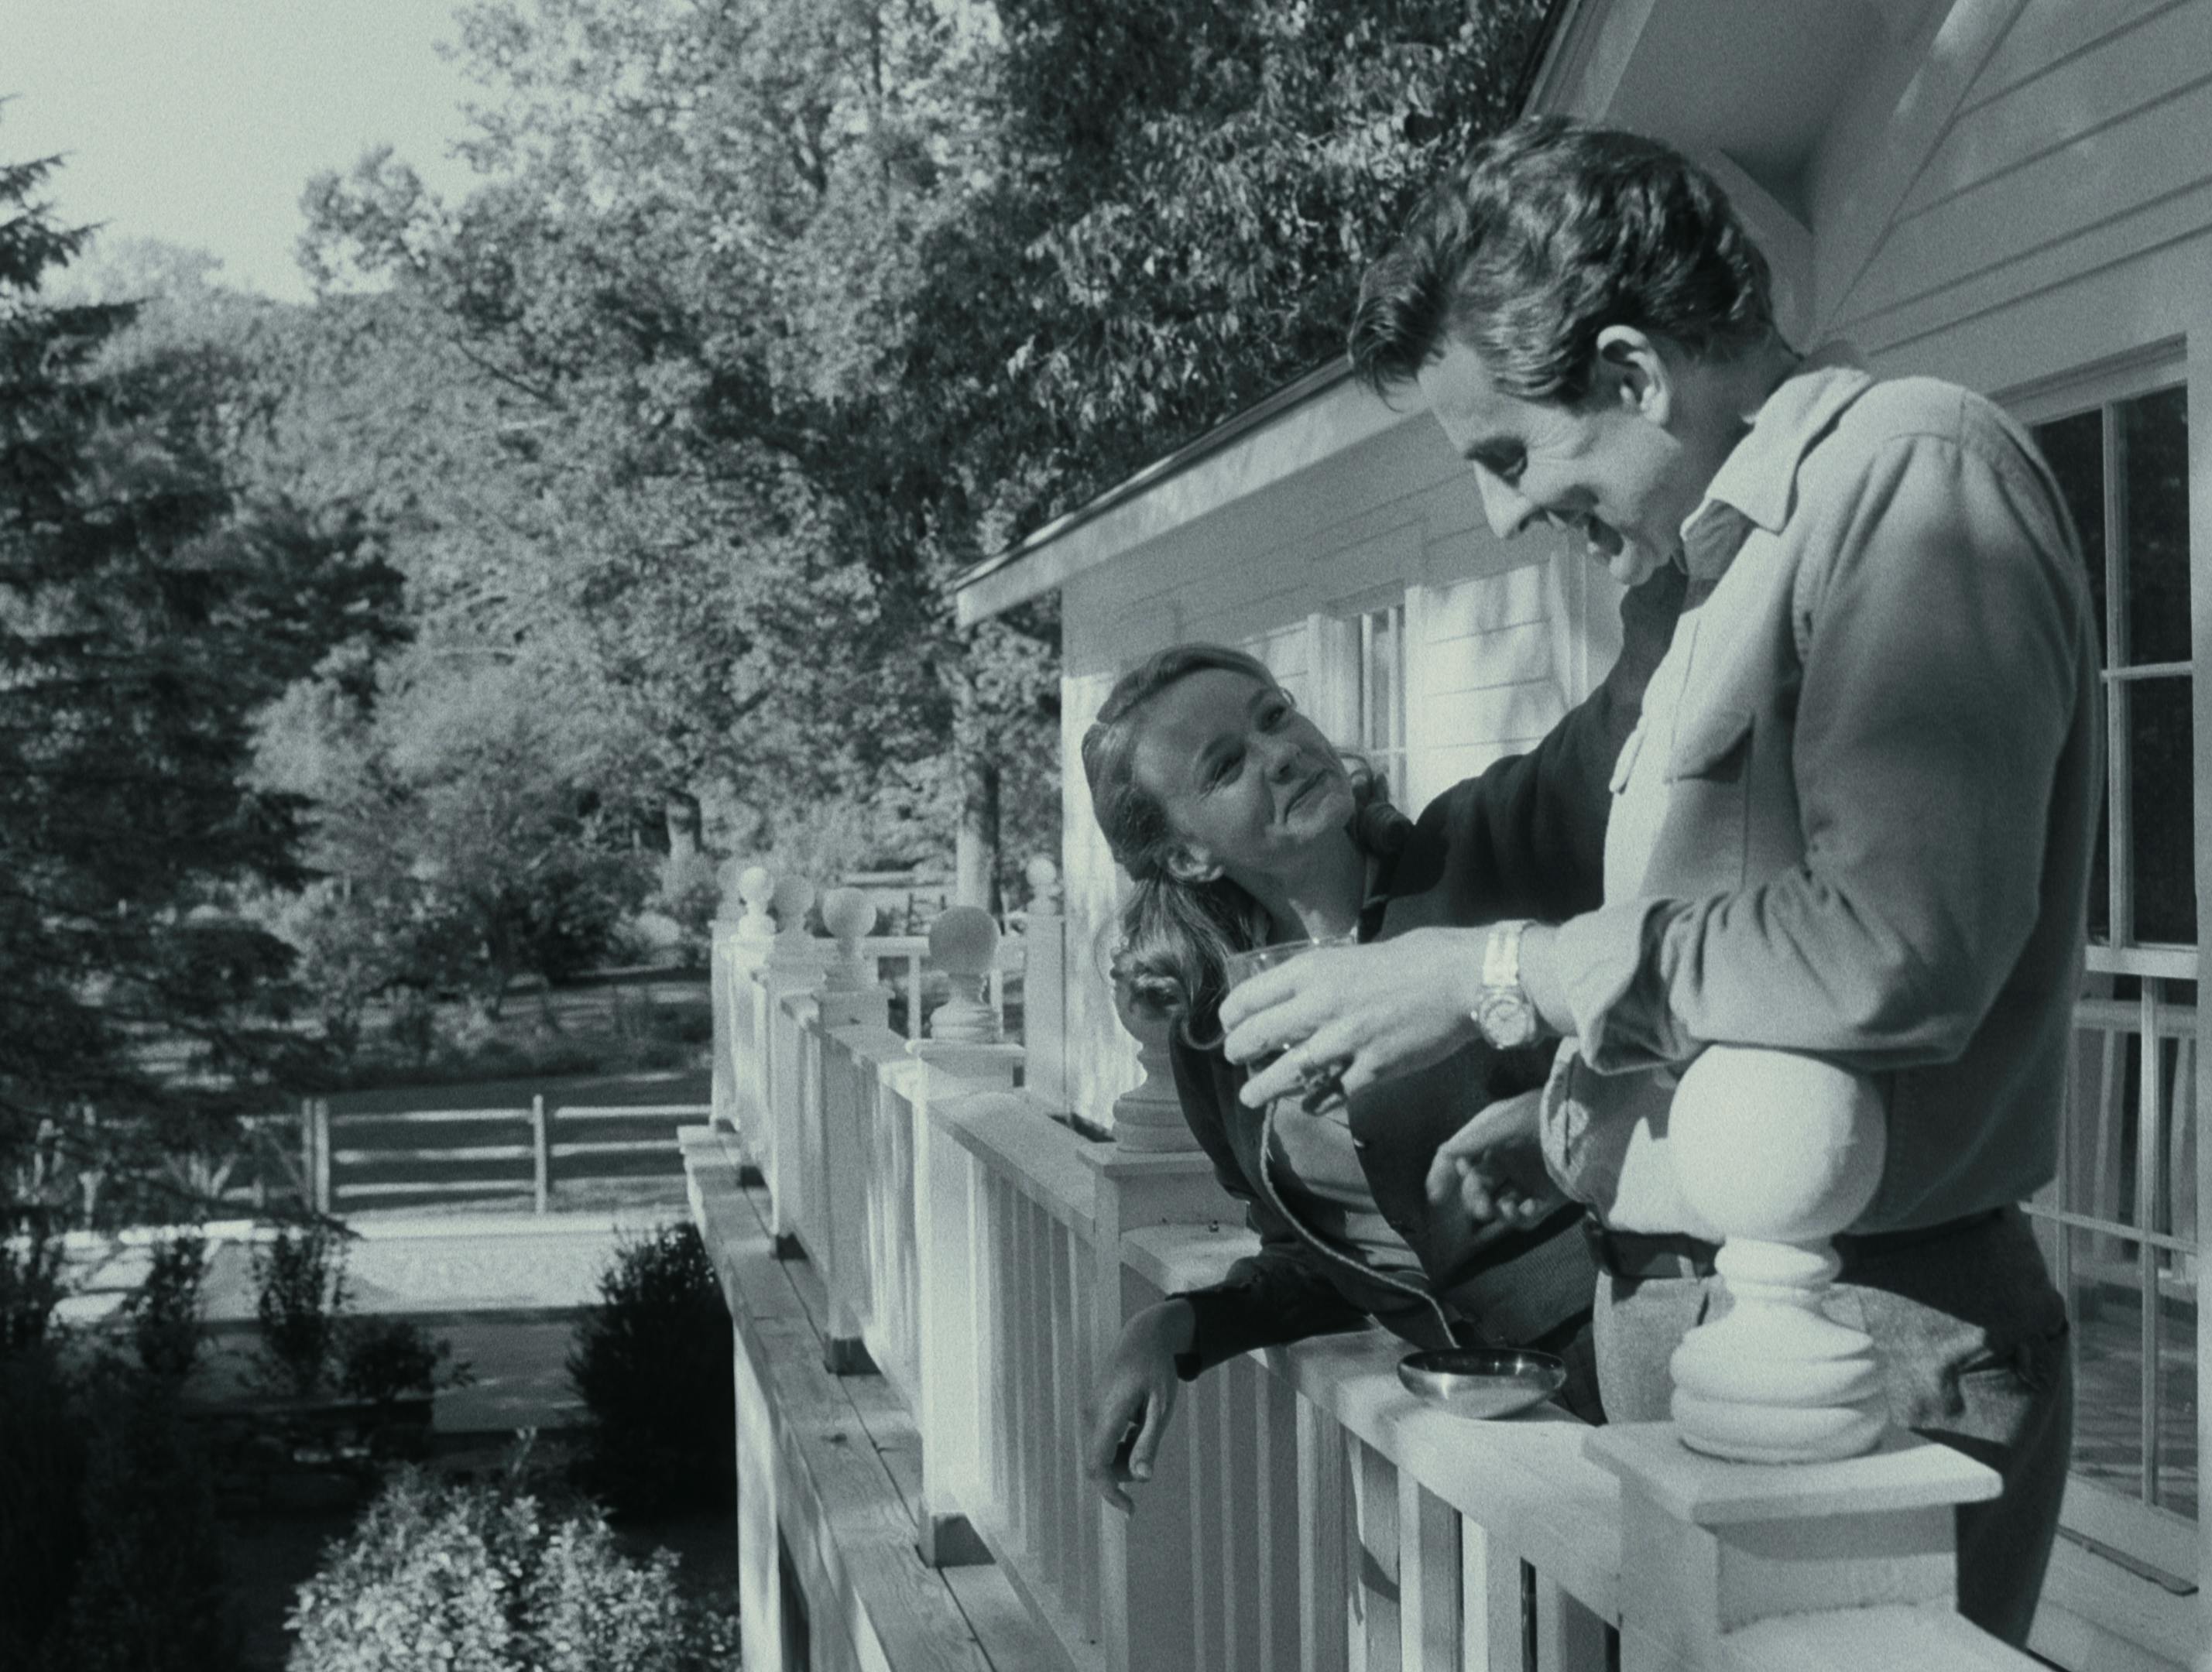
[(2155, 435), (2162, 797), (2075, 448)]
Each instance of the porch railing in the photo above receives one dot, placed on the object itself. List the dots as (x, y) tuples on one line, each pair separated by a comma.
[(981, 1254)]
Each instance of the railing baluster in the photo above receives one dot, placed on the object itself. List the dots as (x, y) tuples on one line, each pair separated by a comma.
[(1490, 1601), (1375, 1598), (1428, 1579), (1324, 1586)]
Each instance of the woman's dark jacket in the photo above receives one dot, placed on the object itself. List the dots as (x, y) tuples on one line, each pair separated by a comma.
[(1525, 839)]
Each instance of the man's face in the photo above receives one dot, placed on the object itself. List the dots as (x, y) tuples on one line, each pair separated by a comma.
[(1608, 470)]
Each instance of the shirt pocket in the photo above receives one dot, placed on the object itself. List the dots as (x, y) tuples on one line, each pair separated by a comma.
[(1707, 835)]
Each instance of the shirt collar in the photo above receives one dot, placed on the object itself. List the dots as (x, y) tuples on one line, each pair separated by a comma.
[(1756, 486)]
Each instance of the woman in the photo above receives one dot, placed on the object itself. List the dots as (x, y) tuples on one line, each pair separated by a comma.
[(1240, 827)]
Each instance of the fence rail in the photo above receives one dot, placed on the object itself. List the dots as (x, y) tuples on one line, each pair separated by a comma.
[(328, 1161)]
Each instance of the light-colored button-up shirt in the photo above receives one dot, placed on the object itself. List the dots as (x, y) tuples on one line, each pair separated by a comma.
[(1858, 817)]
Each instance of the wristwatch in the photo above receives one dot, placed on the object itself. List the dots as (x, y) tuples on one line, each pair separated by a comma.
[(1503, 1012)]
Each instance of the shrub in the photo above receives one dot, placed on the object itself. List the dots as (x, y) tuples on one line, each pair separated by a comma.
[(165, 1310), (652, 1363), (299, 1277), (42, 1472), (139, 1587), (385, 1359), (480, 1577), (34, 1281)]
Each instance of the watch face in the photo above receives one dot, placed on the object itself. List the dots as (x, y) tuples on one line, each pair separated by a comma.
[(1506, 1019)]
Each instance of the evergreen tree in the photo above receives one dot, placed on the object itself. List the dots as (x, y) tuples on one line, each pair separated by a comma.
[(146, 613)]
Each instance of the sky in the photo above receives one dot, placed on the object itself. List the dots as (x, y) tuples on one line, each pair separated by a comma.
[(198, 122)]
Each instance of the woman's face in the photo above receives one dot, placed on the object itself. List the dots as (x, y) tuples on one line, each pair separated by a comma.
[(1249, 783)]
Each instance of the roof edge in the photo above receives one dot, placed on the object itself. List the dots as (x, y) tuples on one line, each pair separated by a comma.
[(1222, 434)]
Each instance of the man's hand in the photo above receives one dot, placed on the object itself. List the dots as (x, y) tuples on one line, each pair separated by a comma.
[(1380, 1010), (1136, 1396), (1494, 1166)]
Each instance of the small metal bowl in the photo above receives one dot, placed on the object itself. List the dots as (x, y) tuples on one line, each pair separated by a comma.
[(1483, 1382)]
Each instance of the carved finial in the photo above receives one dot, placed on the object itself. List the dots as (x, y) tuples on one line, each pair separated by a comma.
[(1149, 1117), (1780, 1152), (756, 887), (1043, 878), (793, 895), (849, 914), (963, 943)]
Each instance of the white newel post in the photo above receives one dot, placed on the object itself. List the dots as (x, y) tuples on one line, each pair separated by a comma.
[(1148, 1118), (962, 1057), (1780, 1152), (850, 997), (1775, 1490), (1153, 1173), (744, 958), (1044, 985), (794, 962)]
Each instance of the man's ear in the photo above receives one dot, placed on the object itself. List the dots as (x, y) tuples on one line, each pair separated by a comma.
[(1192, 865), (1634, 374)]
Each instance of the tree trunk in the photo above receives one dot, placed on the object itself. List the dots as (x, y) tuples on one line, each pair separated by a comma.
[(976, 848)]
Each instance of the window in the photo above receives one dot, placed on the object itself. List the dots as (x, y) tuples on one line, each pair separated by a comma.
[(2119, 1223), (1378, 728)]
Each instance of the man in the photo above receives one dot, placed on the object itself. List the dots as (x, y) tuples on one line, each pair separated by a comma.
[(1856, 821)]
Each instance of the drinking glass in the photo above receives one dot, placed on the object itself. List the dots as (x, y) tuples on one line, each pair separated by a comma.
[(1241, 967)]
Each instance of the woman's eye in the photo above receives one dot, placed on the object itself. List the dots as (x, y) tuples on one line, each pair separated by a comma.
[(1225, 769), (1273, 715)]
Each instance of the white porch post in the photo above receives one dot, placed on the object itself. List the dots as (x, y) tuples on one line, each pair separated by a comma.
[(962, 1057), (850, 997)]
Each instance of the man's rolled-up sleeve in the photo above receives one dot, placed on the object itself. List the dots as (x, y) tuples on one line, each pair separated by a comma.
[(1942, 637)]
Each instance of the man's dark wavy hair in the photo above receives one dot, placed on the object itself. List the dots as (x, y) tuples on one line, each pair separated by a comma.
[(1549, 231)]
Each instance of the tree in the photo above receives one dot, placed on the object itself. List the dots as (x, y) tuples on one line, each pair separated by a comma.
[(463, 828), (146, 610)]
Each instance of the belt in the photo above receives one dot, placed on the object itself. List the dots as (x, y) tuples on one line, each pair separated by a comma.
[(1637, 1254)]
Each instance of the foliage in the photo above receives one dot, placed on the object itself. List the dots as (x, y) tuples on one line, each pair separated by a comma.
[(42, 1472), (462, 820), (652, 1363), (165, 1309), (480, 1577), (34, 1281), (108, 1532), (383, 1360), (148, 607), (300, 1294)]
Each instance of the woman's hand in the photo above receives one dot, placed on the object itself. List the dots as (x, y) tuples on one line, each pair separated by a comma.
[(1137, 1390), (1380, 1010), (1494, 1167)]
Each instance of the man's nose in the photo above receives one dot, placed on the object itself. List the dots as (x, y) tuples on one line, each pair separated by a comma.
[(1509, 510)]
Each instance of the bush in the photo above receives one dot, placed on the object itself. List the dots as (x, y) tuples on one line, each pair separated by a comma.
[(385, 1359), (300, 1290), (165, 1311), (652, 1363), (107, 1531), (34, 1281), (480, 1577)]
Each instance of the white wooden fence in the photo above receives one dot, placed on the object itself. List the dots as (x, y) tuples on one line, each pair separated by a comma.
[(959, 1262), (331, 1161)]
